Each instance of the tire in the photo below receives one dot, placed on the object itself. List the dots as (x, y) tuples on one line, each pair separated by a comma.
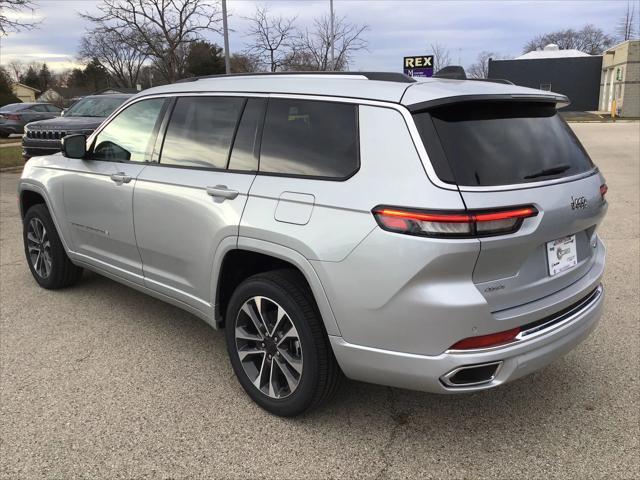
[(319, 375), (4, 134), (54, 270)]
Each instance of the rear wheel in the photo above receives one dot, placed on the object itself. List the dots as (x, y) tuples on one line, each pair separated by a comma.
[(277, 344), (45, 253)]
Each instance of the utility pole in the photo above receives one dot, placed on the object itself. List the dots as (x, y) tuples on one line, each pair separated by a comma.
[(333, 38), (225, 28)]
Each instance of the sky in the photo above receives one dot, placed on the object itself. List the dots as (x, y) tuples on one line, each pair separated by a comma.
[(397, 28)]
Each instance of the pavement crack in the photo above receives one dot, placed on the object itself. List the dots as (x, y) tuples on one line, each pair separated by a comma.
[(399, 418), (89, 353)]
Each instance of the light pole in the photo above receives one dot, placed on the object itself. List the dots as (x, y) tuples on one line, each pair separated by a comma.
[(225, 29), (333, 39)]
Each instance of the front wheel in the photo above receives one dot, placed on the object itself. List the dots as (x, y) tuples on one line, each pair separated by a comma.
[(46, 256), (277, 344)]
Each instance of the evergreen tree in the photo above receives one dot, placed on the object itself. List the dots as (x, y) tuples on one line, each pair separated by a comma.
[(45, 79), (30, 78)]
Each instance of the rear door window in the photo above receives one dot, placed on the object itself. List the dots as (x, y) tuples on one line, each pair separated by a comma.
[(500, 143), (310, 138), (201, 131)]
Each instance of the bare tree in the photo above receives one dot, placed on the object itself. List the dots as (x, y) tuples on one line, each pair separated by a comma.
[(120, 52), (12, 16), (271, 38), (16, 69), (589, 39), (164, 27), (441, 56), (314, 46), (628, 28), (242, 63), (480, 69)]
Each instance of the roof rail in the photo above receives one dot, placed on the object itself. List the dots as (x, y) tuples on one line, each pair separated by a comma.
[(382, 76), (493, 80)]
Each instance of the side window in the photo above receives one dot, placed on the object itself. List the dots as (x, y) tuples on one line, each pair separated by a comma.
[(39, 108), (310, 138), (128, 136), (244, 154), (53, 109), (200, 131)]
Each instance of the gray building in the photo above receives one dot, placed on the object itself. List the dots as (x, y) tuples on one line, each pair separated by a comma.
[(570, 72)]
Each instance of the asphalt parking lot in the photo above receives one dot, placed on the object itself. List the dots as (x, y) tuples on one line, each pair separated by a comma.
[(102, 381)]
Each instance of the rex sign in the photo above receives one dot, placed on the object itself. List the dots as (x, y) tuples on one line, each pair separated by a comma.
[(418, 66)]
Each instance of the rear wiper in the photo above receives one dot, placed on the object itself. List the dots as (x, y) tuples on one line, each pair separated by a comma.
[(549, 171)]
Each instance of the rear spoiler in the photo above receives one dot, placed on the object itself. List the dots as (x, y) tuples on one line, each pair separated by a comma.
[(558, 100)]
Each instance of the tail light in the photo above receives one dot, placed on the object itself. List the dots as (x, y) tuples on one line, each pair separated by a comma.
[(485, 341), (603, 190), (12, 116), (464, 224)]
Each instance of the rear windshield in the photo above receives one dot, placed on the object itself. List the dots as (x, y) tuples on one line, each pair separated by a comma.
[(500, 143)]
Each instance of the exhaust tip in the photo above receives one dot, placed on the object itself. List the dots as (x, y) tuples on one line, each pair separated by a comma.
[(471, 375)]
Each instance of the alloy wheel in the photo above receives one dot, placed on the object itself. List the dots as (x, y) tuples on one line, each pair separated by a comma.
[(39, 247), (269, 347)]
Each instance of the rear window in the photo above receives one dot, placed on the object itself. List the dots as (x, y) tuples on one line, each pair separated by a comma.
[(310, 138), (500, 143)]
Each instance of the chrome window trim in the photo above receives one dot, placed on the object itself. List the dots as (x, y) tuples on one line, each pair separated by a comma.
[(523, 337), (402, 109)]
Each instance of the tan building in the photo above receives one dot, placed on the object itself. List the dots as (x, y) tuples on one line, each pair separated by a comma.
[(25, 93), (621, 79)]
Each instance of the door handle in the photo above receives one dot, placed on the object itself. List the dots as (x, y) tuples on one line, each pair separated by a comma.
[(221, 191), (120, 178)]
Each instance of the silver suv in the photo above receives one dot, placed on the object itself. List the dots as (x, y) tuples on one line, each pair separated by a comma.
[(436, 235)]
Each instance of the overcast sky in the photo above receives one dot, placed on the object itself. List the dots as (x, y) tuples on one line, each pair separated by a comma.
[(397, 28)]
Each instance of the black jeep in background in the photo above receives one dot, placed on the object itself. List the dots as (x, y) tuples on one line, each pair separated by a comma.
[(84, 116)]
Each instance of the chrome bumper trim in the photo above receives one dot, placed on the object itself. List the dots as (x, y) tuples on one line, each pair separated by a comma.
[(546, 327)]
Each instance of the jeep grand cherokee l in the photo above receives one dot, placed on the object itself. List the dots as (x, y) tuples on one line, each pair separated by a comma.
[(84, 116), (436, 235)]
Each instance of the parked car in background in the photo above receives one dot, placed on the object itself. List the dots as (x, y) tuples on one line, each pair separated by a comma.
[(15, 116), (84, 116)]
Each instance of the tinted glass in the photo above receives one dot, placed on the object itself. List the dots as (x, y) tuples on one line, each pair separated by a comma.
[(128, 135), (501, 143), (243, 155), (94, 107), (39, 108), (53, 108), (303, 137), (200, 131)]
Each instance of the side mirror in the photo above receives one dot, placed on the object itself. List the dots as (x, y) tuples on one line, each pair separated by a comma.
[(74, 146), (64, 110)]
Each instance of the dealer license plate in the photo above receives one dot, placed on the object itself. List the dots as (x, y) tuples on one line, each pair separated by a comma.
[(562, 254)]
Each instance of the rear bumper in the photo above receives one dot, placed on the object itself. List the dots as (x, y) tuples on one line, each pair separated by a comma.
[(422, 372)]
